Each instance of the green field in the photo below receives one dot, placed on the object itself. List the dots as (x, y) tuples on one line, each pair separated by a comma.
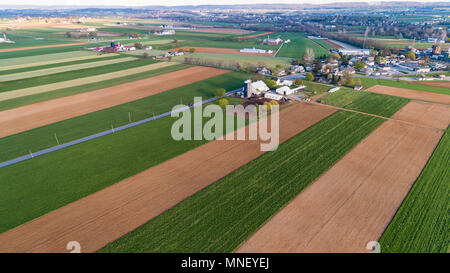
[(222, 216), (229, 60), (69, 91), (369, 82), (296, 48), (54, 180), (367, 102), (421, 223), (78, 127)]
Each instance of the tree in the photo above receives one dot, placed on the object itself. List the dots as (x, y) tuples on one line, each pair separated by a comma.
[(308, 56), (223, 102), (359, 65), (180, 50), (220, 92), (411, 55), (358, 81), (271, 84), (92, 34), (298, 82), (309, 77), (192, 50), (68, 34), (380, 60), (138, 45)]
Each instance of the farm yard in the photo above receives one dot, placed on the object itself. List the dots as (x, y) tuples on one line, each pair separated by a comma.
[(139, 190)]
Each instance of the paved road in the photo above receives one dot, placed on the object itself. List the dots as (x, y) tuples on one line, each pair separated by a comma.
[(104, 133)]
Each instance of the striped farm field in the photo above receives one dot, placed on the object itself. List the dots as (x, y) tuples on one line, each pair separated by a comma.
[(47, 59), (27, 60), (61, 69), (223, 215), (104, 161), (28, 117), (81, 81), (421, 223), (81, 86), (70, 75), (81, 126)]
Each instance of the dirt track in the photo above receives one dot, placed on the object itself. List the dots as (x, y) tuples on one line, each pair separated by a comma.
[(353, 202), (37, 47), (409, 93), (221, 51), (36, 115), (108, 214), (443, 84)]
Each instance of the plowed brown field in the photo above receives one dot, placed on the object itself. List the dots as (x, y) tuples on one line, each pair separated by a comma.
[(108, 214), (424, 113), (353, 202), (409, 93), (36, 115)]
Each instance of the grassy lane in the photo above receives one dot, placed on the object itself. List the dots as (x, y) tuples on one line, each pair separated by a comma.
[(69, 91), (369, 82), (35, 187), (78, 127), (367, 102), (421, 224), (222, 216)]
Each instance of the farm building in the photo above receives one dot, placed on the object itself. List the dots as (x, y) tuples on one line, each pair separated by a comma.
[(272, 96), (284, 91), (115, 48), (255, 50), (269, 41), (358, 87), (285, 82), (334, 89), (254, 88), (354, 52), (165, 32)]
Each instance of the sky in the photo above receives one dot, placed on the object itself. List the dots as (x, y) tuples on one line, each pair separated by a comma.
[(174, 2)]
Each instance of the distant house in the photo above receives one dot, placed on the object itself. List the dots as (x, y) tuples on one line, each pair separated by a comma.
[(358, 87), (264, 71)]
